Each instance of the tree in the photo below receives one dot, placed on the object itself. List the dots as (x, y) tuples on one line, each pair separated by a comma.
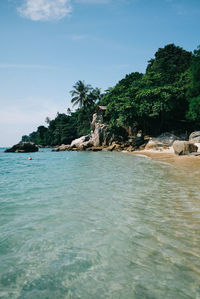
[(194, 109), (170, 61), (25, 138), (80, 94), (69, 112), (42, 133), (194, 89), (47, 120), (160, 100), (157, 109), (94, 96)]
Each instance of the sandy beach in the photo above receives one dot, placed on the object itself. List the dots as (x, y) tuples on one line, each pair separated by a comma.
[(168, 156)]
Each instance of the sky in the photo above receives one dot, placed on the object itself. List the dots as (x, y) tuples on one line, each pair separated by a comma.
[(46, 46)]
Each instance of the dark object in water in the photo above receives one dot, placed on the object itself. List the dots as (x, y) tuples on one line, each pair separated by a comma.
[(23, 147)]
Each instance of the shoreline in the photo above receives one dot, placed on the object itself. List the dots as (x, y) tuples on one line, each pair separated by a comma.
[(186, 161), (165, 155)]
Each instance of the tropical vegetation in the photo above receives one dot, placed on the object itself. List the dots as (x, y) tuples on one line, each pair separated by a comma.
[(165, 98)]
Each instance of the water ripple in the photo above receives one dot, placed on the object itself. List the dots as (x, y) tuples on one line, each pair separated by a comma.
[(97, 225)]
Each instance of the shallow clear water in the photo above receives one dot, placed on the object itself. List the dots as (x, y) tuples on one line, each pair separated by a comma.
[(97, 225)]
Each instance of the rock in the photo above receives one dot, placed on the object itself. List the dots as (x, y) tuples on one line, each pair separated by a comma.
[(195, 137), (130, 148), (136, 141), (165, 140), (95, 148), (118, 147), (111, 147), (97, 118), (86, 144), (184, 147), (62, 147), (100, 133), (23, 147), (198, 145), (79, 141), (195, 154), (152, 144), (100, 136)]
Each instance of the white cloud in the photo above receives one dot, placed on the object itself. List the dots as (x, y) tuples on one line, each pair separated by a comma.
[(45, 10)]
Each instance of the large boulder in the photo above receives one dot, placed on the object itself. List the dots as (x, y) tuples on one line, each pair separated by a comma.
[(62, 147), (95, 148), (162, 141), (23, 147), (184, 147), (97, 118), (80, 141), (101, 135), (195, 137), (136, 142)]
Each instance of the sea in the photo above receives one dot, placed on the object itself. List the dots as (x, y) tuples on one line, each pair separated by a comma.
[(97, 225)]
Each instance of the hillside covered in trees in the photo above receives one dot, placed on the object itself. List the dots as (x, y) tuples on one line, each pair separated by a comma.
[(165, 98)]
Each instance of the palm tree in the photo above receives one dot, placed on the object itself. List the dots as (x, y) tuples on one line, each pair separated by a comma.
[(80, 94), (94, 96)]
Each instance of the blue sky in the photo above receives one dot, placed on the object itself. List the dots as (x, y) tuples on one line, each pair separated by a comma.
[(48, 45)]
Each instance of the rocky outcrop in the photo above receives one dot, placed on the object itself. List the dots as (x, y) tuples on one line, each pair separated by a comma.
[(101, 138), (95, 148), (101, 135), (195, 137), (184, 147), (97, 118), (23, 147), (62, 147), (164, 141), (80, 141)]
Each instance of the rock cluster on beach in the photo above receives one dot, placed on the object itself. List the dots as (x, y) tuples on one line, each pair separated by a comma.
[(100, 139), (23, 147), (88, 146), (163, 141), (184, 147), (195, 137), (176, 144)]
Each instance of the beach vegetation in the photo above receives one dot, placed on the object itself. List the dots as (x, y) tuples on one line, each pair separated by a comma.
[(165, 98)]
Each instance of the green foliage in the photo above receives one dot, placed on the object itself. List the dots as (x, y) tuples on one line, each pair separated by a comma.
[(194, 109), (84, 95), (194, 89), (155, 101), (159, 101), (162, 99), (25, 138), (170, 62)]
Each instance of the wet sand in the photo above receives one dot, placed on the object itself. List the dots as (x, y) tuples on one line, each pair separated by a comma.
[(189, 162)]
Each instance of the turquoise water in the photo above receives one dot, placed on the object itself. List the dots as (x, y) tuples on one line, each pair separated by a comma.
[(97, 225)]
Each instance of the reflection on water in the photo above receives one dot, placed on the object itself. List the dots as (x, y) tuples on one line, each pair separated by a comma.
[(97, 225)]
